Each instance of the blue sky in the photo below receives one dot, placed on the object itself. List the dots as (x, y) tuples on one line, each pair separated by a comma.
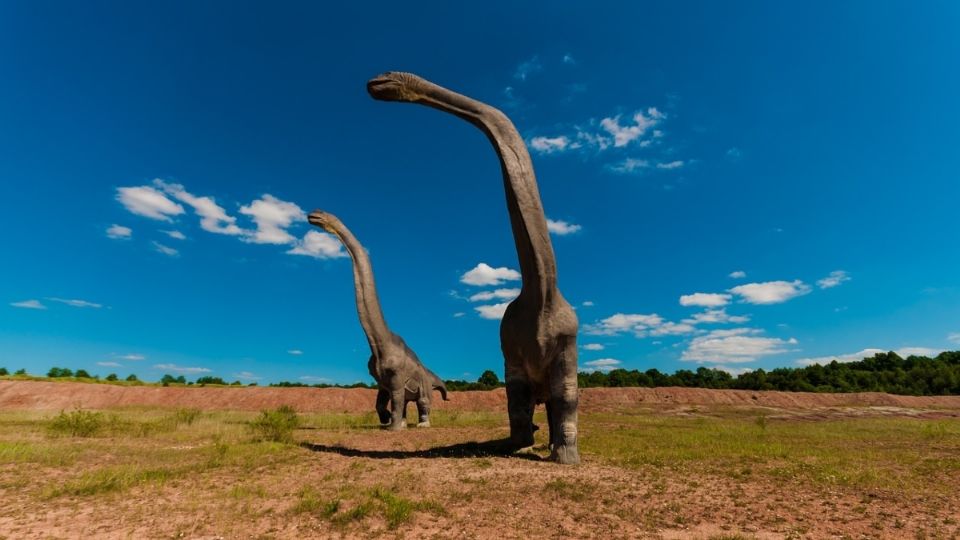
[(745, 185)]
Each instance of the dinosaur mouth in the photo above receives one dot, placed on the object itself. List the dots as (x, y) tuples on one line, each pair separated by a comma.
[(384, 88)]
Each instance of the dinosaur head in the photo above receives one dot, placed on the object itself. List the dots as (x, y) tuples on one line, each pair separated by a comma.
[(324, 220), (395, 86)]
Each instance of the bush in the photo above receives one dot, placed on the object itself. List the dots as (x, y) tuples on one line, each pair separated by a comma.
[(276, 426), (56, 372), (3, 371), (112, 377), (210, 380), (82, 373), (78, 423), (132, 378), (20, 371)]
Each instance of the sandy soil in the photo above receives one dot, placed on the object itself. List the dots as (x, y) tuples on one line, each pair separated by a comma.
[(53, 396)]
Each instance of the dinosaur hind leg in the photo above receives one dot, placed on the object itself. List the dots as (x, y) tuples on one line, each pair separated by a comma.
[(383, 399), (398, 409), (563, 404), (423, 410), (520, 404)]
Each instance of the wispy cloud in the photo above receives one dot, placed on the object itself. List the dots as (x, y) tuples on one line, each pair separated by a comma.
[(738, 274), (629, 165), (670, 165), (902, 352), (715, 316), (246, 376), (835, 278), (28, 304), (176, 235), (132, 357), (562, 228), (109, 364), (587, 303), (620, 323), (73, 302), (705, 299), (954, 337), (502, 294), (593, 347), (181, 369), (119, 232), (484, 274), (148, 202), (527, 68), (602, 364), (634, 128), (166, 250), (569, 59), (771, 292), (737, 345), (272, 217), (295, 352), (548, 145), (493, 311), (319, 245), (213, 217)]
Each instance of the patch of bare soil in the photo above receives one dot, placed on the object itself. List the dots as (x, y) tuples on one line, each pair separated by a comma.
[(53, 396)]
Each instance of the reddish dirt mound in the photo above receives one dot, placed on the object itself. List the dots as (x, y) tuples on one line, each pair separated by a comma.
[(38, 395)]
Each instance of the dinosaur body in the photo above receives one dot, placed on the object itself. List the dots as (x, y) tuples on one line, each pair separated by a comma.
[(401, 377), (538, 332)]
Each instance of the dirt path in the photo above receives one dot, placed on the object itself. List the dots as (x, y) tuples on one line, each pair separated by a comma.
[(42, 396)]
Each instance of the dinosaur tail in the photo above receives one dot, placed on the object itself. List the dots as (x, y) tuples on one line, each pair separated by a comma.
[(438, 385)]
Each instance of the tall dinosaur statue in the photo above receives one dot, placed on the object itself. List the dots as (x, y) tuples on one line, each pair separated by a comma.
[(401, 377), (538, 333)]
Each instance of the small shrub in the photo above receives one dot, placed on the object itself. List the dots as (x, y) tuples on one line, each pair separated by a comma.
[(132, 378), (78, 423), (112, 377), (276, 426), (20, 371)]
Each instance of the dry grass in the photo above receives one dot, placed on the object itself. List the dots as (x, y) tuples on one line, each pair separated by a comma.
[(707, 473)]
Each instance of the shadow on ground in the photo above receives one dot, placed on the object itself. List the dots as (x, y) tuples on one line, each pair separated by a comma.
[(495, 448)]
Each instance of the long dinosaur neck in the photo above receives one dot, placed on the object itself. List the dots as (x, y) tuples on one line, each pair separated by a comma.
[(537, 262), (368, 304)]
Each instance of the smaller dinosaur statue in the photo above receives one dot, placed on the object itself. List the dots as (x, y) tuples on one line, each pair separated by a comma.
[(400, 375)]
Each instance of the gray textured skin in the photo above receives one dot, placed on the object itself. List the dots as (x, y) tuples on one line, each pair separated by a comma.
[(400, 375), (538, 333)]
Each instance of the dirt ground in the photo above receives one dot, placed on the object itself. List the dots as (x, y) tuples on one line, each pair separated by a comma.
[(660, 463)]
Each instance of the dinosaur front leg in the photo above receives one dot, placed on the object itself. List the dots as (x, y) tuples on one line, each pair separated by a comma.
[(563, 404), (398, 419), (519, 404), (383, 399)]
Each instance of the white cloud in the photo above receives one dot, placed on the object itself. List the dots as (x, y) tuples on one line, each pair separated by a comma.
[(713, 316), (314, 379), (670, 165), (295, 352), (319, 245), (593, 347), (493, 311), (902, 352), (166, 250), (603, 364), (272, 217), (561, 228), (738, 274), (176, 235), (484, 274), (527, 68), (587, 303), (630, 165), (954, 337), (181, 369), (76, 303), (733, 346), (148, 202), (705, 299), (771, 292), (619, 323), (835, 278), (213, 217), (109, 364), (119, 232), (624, 135), (672, 329), (458, 314), (733, 370), (29, 304), (568, 59), (132, 357), (246, 376), (549, 145), (502, 294)]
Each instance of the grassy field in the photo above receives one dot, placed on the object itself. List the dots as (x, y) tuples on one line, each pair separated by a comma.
[(718, 473)]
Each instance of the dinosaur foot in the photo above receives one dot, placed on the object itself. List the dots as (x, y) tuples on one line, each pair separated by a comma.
[(425, 423), (395, 427), (565, 454)]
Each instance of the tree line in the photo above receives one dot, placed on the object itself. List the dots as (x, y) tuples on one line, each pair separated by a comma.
[(883, 372)]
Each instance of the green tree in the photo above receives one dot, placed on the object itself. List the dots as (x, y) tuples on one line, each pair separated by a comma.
[(3, 372), (132, 378), (112, 377), (489, 378), (82, 373)]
